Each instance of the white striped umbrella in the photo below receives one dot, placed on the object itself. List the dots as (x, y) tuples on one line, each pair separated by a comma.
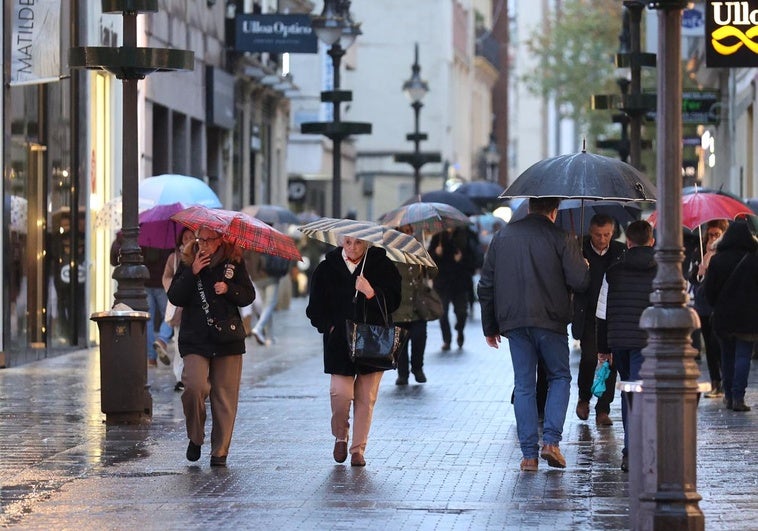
[(400, 247)]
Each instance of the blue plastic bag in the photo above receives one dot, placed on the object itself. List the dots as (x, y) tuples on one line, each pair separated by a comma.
[(601, 375)]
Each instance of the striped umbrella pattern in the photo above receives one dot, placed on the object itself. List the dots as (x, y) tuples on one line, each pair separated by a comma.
[(400, 247)]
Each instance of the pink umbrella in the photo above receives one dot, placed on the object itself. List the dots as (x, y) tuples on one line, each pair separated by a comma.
[(157, 229)]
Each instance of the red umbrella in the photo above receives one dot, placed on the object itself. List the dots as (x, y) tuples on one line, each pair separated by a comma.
[(240, 229), (702, 207)]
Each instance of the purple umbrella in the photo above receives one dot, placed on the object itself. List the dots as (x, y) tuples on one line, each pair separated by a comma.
[(156, 229)]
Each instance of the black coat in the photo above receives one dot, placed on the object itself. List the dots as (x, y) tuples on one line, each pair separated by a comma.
[(730, 287), (194, 337), (331, 302)]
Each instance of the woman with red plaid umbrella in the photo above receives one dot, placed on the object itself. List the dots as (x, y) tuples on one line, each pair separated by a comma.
[(210, 285)]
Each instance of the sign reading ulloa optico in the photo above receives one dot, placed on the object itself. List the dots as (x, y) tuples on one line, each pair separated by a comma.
[(275, 33), (731, 34)]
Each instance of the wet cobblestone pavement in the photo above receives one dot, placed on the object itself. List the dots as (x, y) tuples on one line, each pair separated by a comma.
[(442, 455)]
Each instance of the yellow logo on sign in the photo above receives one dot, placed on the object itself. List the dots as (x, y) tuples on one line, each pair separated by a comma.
[(726, 32)]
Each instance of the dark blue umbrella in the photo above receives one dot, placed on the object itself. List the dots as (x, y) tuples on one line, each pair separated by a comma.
[(481, 191)]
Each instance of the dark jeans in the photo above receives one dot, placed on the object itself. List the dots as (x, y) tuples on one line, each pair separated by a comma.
[(735, 366), (587, 366), (459, 299), (417, 342)]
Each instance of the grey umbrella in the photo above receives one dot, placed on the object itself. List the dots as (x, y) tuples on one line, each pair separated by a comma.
[(582, 176)]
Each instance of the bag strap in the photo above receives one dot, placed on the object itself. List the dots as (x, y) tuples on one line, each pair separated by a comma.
[(204, 302), (382, 309)]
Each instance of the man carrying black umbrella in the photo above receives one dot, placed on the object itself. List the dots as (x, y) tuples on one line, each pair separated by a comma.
[(601, 250), (530, 270)]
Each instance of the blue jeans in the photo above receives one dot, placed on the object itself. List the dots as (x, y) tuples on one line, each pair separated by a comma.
[(528, 345), (156, 300), (735, 366), (628, 363)]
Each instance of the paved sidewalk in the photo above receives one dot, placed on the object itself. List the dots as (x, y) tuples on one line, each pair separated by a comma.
[(442, 455)]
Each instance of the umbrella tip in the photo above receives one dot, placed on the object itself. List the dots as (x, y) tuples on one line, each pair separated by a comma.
[(584, 145)]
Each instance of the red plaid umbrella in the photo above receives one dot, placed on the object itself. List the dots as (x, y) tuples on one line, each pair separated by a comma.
[(429, 217), (240, 229), (702, 207)]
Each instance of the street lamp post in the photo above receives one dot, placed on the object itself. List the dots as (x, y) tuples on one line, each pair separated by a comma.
[(665, 475), (416, 88), (335, 28)]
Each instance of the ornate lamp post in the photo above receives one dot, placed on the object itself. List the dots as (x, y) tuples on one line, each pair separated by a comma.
[(416, 88), (664, 474), (335, 28), (123, 345)]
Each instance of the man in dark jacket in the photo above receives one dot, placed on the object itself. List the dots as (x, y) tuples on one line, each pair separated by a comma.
[(524, 291), (624, 295), (600, 250)]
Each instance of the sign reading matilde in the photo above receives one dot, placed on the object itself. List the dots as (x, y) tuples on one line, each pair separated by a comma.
[(275, 33), (731, 34)]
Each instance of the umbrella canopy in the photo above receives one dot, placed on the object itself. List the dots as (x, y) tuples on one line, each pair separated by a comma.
[(157, 229), (459, 201), (574, 215), (171, 188), (582, 176), (429, 217), (702, 207), (240, 229), (400, 247), (481, 192), (272, 214)]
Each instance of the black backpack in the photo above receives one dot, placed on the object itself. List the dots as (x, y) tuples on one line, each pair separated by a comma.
[(276, 266)]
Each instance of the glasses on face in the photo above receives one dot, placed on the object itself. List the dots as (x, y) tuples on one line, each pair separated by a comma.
[(206, 240)]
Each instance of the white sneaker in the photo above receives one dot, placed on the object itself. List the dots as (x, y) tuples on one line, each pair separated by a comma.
[(160, 348)]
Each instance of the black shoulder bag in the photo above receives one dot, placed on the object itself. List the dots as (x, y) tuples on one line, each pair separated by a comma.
[(376, 346), (222, 331)]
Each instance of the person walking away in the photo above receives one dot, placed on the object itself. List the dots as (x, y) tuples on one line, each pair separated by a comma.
[(699, 262), (154, 259), (187, 237), (267, 276), (600, 250), (343, 287), (450, 250), (530, 270), (414, 278), (623, 297), (210, 286), (731, 288)]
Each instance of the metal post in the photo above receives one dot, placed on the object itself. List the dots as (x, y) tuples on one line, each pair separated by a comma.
[(336, 52), (635, 118), (416, 149), (668, 499)]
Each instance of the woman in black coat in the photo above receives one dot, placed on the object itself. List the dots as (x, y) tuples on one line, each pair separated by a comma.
[(731, 288), (212, 368), (342, 288)]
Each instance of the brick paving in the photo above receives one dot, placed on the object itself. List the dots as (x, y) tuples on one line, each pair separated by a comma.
[(442, 455)]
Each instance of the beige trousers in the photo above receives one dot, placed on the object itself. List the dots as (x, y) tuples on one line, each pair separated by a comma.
[(362, 391), (217, 378)]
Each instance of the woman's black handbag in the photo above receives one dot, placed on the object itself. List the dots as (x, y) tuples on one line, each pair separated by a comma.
[(222, 331), (427, 303), (375, 346)]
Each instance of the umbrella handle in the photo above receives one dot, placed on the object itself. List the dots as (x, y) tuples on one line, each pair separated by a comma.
[(363, 266)]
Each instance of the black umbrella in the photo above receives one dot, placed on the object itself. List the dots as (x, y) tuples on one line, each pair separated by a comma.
[(582, 176), (459, 201), (481, 191)]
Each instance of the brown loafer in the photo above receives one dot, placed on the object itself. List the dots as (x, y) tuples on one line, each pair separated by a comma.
[(357, 460), (529, 465), (583, 410), (552, 454), (340, 451), (602, 419)]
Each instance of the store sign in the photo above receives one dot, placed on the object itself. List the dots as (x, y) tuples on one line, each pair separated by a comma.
[(731, 34), (275, 33), (35, 41), (698, 107)]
